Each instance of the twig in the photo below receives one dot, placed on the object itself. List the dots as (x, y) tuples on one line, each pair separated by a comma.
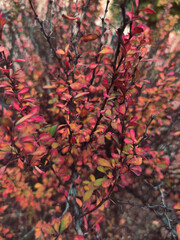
[(46, 35)]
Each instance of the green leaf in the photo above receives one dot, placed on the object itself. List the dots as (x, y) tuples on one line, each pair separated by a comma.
[(65, 221), (101, 169), (99, 181), (52, 130)]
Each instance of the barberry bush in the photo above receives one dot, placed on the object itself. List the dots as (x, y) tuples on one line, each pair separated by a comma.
[(89, 120)]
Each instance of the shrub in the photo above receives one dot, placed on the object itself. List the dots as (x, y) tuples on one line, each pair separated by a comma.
[(89, 123)]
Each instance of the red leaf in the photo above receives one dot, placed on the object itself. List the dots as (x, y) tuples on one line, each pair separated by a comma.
[(137, 30), (2, 22), (4, 70), (148, 10)]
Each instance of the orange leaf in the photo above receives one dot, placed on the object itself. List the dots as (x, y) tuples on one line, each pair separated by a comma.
[(106, 50), (79, 202), (28, 147), (60, 52), (177, 206), (89, 37), (178, 230), (136, 160)]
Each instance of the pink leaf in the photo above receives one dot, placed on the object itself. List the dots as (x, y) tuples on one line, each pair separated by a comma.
[(19, 60), (137, 3), (136, 170), (15, 105), (132, 135), (93, 65), (24, 90)]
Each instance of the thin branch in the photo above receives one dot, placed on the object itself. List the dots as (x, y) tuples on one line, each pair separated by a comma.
[(46, 35)]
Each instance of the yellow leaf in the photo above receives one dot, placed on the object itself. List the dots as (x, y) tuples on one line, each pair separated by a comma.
[(92, 177), (88, 194), (57, 225), (65, 221)]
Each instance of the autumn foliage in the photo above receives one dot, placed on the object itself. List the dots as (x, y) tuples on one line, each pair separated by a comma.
[(88, 122)]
